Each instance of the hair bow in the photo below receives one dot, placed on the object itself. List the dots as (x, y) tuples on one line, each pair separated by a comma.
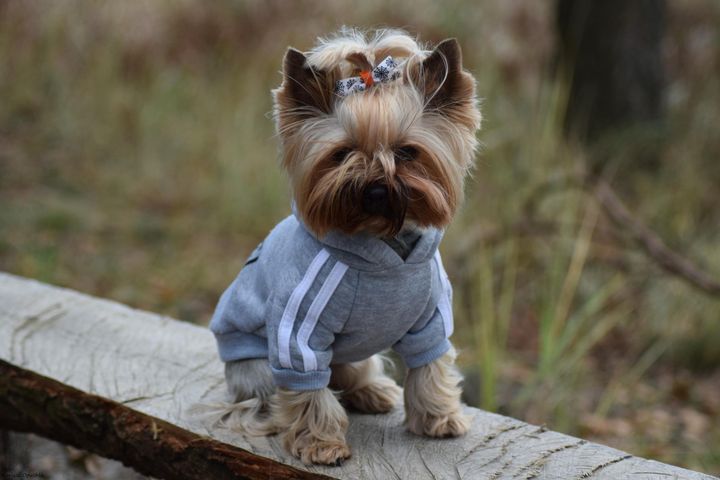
[(385, 71)]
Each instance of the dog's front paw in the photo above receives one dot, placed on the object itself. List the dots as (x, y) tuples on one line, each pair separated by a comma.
[(324, 453), (451, 425), (378, 397)]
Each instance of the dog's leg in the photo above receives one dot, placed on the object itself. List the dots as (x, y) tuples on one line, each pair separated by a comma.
[(432, 399), (364, 385), (249, 379), (251, 386), (314, 425)]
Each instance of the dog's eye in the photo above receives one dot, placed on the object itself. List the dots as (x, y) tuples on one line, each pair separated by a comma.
[(407, 153), (341, 154)]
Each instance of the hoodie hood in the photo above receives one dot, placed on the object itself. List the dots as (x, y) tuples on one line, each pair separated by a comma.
[(366, 252)]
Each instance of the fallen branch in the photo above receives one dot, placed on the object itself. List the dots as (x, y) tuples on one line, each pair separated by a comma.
[(650, 242)]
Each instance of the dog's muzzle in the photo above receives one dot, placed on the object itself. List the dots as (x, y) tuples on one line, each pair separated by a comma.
[(380, 200)]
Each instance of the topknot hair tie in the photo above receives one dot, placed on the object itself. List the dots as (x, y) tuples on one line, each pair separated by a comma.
[(385, 71)]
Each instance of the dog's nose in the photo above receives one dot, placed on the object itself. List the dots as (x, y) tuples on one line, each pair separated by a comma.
[(375, 199)]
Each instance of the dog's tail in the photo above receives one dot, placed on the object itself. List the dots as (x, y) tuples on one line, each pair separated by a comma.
[(250, 417)]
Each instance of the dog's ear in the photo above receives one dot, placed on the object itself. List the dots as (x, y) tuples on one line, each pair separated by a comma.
[(441, 78), (305, 91)]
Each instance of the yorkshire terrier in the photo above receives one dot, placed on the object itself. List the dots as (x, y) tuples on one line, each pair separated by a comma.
[(377, 135)]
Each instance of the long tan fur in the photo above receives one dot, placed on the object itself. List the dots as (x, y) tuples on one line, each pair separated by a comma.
[(364, 385), (314, 425), (432, 399)]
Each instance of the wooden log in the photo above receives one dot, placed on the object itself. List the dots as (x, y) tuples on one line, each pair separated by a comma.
[(120, 382)]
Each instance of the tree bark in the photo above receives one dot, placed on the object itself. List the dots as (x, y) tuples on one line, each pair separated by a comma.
[(32, 403)]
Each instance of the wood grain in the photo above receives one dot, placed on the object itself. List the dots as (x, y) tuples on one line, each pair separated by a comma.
[(118, 369)]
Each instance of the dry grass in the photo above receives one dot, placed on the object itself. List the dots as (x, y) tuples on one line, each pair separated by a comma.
[(137, 162)]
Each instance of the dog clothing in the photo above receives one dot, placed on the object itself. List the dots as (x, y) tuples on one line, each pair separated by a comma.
[(306, 303)]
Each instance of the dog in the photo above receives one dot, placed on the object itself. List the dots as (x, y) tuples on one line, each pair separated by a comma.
[(377, 136)]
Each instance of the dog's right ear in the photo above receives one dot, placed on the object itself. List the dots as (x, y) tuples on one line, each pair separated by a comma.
[(305, 92)]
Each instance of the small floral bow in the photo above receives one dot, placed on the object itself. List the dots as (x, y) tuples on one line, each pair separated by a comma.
[(385, 71)]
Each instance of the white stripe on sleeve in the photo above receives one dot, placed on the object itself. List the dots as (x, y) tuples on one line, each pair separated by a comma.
[(444, 305), (316, 308), (291, 309)]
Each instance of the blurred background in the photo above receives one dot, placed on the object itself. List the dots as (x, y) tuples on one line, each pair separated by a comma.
[(138, 163)]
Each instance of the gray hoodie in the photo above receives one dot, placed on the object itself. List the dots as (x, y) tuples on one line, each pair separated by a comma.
[(306, 303)]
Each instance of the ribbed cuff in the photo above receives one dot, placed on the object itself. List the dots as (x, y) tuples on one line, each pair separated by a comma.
[(301, 381), (423, 358), (241, 346)]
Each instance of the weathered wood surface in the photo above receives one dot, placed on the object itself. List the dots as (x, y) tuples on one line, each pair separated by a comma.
[(123, 367)]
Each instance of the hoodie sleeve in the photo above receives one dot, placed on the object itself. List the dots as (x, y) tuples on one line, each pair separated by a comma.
[(428, 340), (299, 340), (240, 313)]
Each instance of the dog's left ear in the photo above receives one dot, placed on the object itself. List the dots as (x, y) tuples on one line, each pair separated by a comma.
[(446, 86), (305, 91)]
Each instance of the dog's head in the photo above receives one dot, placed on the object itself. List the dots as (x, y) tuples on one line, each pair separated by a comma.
[(375, 160)]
